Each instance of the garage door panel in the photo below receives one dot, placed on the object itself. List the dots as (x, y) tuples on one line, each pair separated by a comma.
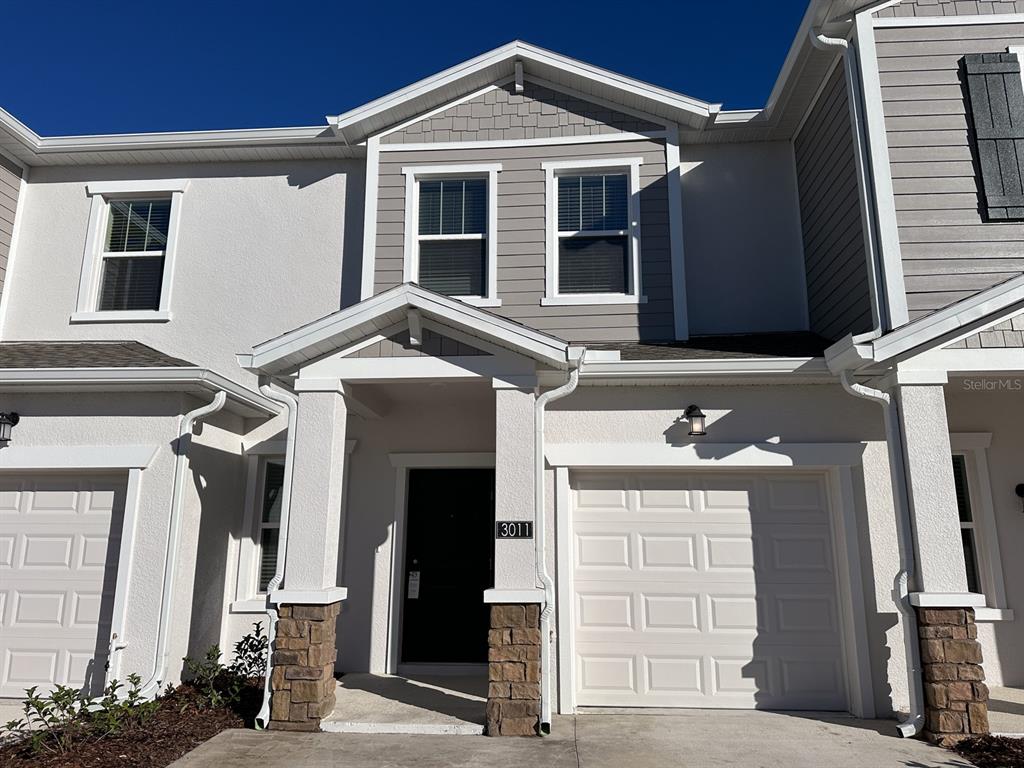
[(706, 591), (58, 564)]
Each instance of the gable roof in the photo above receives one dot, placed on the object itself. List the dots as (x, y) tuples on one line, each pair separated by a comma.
[(961, 319), (499, 63), (360, 321)]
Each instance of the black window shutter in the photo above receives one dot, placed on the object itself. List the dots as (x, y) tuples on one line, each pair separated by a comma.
[(997, 110)]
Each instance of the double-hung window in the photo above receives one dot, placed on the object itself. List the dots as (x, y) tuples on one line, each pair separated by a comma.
[(129, 254), (450, 239), (270, 522), (593, 238)]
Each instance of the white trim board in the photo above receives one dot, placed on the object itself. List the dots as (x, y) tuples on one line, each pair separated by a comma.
[(949, 21), (704, 456), (104, 457)]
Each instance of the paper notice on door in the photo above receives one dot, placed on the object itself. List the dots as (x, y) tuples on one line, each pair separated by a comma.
[(413, 592)]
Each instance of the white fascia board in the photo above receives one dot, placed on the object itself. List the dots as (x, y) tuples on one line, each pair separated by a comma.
[(634, 369), (308, 341), (987, 307), (947, 600), (67, 379), (704, 455), (511, 52), (16, 457)]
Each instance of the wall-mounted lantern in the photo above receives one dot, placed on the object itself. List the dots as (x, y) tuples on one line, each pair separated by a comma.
[(696, 417), (7, 424)]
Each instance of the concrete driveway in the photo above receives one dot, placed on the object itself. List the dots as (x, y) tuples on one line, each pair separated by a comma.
[(697, 739)]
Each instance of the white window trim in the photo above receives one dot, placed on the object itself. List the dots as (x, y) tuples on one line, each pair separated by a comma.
[(554, 168), (411, 261), (101, 194), (973, 446)]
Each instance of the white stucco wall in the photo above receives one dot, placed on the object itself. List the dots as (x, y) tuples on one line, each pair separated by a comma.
[(999, 413), (259, 253), (741, 230)]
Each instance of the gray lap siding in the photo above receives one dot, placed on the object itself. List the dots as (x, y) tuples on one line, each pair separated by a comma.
[(949, 251), (522, 234), (951, 8)]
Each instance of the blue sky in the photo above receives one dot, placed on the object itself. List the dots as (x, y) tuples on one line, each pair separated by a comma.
[(100, 66)]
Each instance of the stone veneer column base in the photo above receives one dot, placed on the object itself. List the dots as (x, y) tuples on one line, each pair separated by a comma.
[(513, 691), (302, 681), (956, 697)]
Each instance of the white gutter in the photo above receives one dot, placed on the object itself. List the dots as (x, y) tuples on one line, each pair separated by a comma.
[(182, 444), (905, 537), (290, 402), (540, 539), (865, 186)]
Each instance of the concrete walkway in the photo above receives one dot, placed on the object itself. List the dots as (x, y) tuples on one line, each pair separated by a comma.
[(691, 739), (1006, 710)]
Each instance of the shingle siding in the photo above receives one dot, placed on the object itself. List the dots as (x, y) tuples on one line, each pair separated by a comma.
[(431, 345), (949, 251), (1007, 334), (838, 296), (503, 114), (10, 187), (951, 8), (521, 238)]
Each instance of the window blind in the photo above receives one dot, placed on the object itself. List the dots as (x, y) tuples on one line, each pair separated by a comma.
[(453, 207), (133, 282), (453, 236), (453, 267), (593, 264), (593, 203), (270, 521)]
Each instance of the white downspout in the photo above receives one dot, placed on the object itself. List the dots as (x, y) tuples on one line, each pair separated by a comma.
[(292, 405), (865, 185), (905, 535), (182, 444), (540, 540)]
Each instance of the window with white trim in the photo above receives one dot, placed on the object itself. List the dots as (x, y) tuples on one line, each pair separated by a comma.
[(269, 523), (450, 239), (132, 263), (978, 531), (593, 238), (968, 532), (129, 252)]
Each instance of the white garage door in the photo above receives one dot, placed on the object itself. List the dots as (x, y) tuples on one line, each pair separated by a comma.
[(58, 563), (712, 590)]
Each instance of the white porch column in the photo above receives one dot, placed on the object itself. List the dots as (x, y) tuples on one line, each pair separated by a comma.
[(314, 526), (514, 559), (934, 515)]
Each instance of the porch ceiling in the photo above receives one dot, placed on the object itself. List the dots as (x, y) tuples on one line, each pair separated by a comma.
[(315, 340)]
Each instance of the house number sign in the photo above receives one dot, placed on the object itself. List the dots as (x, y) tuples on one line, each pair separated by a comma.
[(513, 529)]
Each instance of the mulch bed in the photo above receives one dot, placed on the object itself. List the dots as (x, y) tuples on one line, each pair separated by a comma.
[(178, 726), (992, 751)]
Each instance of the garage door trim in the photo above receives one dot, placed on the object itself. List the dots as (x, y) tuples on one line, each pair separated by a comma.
[(87, 459), (757, 458)]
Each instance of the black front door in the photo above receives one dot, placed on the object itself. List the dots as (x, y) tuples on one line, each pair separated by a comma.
[(449, 562)]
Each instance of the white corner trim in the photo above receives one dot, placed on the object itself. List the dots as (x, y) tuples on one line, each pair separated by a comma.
[(881, 172), (704, 455), (411, 260), (371, 197), (141, 187), (993, 614), (75, 457), (551, 168), (12, 252), (434, 460), (127, 316), (324, 596), (677, 252), (126, 555), (511, 596), (947, 600), (948, 21), (565, 636)]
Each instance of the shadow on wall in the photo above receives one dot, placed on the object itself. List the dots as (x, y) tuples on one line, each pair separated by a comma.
[(218, 479)]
